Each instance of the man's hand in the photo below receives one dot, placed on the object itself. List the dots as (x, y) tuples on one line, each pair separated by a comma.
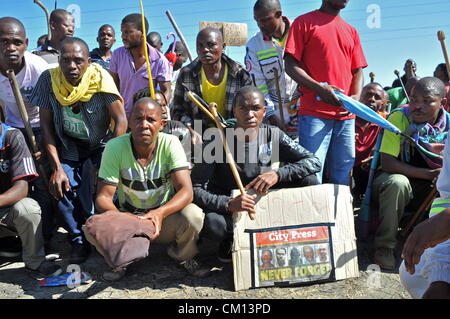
[(242, 202), (425, 235), (37, 156), (59, 183), (263, 182), (195, 137), (327, 95), (157, 218)]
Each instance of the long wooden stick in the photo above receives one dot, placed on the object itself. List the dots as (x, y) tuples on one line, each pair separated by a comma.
[(424, 207), (25, 120), (180, 35), (47, 15), (230, 159), (441, 38), (280, 100), (191, 97), (147, 60)]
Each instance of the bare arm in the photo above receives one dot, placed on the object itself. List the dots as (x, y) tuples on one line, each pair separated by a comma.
[(58, 181), (357, 83), (326, 92), (117, 113), (18, 191), (116, 79), (392, 165), (105, 195), (166, 88)]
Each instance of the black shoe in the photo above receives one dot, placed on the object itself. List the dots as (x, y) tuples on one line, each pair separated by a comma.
[(79, 253), (10, 247), (45, 270), (224, 254)]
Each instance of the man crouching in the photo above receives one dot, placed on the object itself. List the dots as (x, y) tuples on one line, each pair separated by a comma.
[(150, 172)]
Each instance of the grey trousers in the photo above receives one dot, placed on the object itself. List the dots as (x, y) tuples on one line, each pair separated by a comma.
[(24, 218)]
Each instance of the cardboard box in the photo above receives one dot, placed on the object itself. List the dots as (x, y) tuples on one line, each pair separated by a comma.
[(309, 232)]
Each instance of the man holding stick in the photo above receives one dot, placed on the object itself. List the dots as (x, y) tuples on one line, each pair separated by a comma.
[(77, 101), (264, 53), (258, 150), (128, 66), (27, 68), (408, 173), (213, 76)]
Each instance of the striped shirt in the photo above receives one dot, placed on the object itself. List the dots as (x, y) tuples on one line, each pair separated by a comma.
[(94, 113)]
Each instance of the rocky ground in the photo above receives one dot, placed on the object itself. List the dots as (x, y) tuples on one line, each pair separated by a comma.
[(159, 277)]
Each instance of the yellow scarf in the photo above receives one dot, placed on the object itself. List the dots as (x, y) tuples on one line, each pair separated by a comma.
[(95, 79)]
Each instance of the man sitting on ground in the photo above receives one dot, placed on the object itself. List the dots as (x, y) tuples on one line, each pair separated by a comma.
[(150, 173), (408, 171), (259, 150)]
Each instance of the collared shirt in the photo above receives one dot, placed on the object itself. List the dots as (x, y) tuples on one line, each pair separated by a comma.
[(49, 54), (94, 113), (185, 111), (26, 79), (95, 57), (132, 80)]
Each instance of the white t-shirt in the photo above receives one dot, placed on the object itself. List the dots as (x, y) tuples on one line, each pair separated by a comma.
[(27, 79)]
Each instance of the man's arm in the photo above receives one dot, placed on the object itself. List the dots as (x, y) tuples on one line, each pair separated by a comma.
[(116, 79), (117, 113), (105, 195), (18, 191), (357, 83), (392, 165), (184, 195), (326, 92), (166, 89), (58, 181)]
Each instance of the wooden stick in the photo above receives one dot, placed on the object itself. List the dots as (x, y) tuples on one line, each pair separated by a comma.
[(25, 120), (47, 15), (203, 108), (441, 38), (372, 77), (147, 60), (180, 35), (424, 207), (230, 159), (280, 101)]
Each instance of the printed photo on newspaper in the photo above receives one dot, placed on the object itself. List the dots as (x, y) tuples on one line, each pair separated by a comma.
[(293, 255)]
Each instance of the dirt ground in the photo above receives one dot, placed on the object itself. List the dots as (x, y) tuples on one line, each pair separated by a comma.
[(159, 277)]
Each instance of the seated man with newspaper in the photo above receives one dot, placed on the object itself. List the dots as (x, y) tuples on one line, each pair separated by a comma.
[(265, 158)]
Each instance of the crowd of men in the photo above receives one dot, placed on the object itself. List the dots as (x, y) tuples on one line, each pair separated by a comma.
[(119, 170)]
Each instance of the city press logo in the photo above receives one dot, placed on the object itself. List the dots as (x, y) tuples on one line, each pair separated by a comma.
[(374, 18), (374, 278)]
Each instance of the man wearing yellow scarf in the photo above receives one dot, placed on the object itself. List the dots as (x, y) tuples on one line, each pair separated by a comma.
[(77, 100)]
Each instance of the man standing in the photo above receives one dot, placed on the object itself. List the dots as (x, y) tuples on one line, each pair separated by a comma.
[(150, 172), (408, 171), (17, 211), (322, 48), (106, 39), (128, 66), (62, 25), (77, 102), (213, 76), (27, 68), (264, 54)]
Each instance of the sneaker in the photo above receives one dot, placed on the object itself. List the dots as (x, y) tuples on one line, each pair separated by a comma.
[(384, 257), (45, 270), (113, 275), (224, 254), (10, 247), (194, 268), (79, 253)]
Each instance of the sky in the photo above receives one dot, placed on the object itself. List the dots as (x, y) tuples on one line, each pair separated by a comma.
[(391, 31)]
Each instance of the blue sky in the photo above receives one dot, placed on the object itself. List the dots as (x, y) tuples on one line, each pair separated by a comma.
[(406, 29)]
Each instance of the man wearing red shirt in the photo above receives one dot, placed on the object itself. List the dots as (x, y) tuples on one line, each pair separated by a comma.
[(323, 54)]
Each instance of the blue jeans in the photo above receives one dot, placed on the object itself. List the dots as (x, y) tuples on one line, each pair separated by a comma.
[(333, 142), (77, 205)]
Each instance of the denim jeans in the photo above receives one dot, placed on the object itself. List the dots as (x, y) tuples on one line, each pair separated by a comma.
[(333, 142), (77, 205)]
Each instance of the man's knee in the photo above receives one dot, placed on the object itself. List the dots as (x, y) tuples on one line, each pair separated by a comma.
[(394, 185), (194, 216), (26, 209)]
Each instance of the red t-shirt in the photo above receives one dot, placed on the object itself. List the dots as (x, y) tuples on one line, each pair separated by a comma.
[(328, 49), (366, 139)]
